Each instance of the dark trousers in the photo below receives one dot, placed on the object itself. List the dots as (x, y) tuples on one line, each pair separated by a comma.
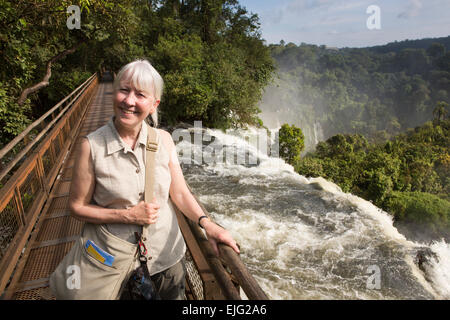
[(170, 283)]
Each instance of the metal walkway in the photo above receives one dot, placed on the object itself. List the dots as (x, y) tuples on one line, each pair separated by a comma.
[(56, 230)]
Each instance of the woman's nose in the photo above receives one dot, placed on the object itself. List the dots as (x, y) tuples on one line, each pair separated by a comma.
[(130, 99)]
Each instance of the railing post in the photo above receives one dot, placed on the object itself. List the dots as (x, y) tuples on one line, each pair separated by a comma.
[(19, 205), (40, 174), (53, 155)]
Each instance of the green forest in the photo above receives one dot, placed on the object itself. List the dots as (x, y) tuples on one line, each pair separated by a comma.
[(209, 52), (377, 92)]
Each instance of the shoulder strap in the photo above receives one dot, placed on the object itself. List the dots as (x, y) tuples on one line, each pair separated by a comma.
[(152, 147)]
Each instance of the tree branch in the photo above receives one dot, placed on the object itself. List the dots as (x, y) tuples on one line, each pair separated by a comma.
[(45, 81)]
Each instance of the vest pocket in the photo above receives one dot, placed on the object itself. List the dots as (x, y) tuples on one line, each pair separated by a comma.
[(95, 262), (97, 279)]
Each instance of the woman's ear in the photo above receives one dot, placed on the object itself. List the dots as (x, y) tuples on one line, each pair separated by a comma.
[(155, 106)]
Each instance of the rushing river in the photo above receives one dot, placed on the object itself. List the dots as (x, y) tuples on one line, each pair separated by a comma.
[(303, 238)]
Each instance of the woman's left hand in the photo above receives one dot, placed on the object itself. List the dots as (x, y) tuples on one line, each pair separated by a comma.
[(216, 234)]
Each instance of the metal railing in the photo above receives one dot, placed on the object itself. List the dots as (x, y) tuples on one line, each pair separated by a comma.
[(29, 175), (218, 277)]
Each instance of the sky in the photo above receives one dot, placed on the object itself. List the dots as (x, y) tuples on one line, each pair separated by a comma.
[(350, 23)]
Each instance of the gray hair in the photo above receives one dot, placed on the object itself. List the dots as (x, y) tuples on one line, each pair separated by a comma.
[(143, 76)]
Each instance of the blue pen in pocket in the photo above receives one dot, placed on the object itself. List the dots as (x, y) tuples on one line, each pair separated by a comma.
[(99, 254)]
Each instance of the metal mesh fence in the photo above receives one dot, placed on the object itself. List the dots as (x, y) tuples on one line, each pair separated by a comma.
[(35, 294), (9, 224), (66, 130), (47, 161), (56, 145), (29, 190), (193, 278)]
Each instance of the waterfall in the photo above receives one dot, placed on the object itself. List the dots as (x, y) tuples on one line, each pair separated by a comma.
[(303, 238)]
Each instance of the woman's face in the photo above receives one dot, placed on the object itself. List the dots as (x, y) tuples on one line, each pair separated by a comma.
[(132, 106)]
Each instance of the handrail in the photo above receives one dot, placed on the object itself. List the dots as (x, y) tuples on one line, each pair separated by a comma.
[(23, 134), (228, 289), (251, 288), (232, 260), (25, 193), (13, 142)]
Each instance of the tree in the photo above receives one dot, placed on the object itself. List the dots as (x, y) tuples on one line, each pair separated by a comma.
[(436, 50), (440, 112), (98, 16), (291, 142), (188, 94), (213, 61), (39, 54), (444, 62)]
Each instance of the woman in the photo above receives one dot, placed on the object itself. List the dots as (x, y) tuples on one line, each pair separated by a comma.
[(109, 176)]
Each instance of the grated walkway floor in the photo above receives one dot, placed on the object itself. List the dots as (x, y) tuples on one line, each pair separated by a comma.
[(56, 230)]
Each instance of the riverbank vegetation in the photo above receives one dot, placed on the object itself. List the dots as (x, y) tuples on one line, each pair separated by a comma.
[(407, 176), (367, 102)]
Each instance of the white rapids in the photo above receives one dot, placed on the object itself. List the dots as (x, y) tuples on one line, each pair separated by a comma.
[(303, 238)]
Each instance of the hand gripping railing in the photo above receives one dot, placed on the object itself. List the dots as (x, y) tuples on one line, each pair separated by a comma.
[(226, 283), (29, 176)]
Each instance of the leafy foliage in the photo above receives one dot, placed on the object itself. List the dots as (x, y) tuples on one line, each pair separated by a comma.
[(213, 61), (402, 175), (421, 209), (291, 143), (32, 33), (209, 53)]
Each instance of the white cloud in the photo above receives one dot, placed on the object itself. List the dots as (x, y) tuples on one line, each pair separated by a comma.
[(295, 7), (343, 22), (306, 9), (412, 10)]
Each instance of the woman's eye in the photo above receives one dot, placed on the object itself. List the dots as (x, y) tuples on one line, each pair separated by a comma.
[(124, 89)]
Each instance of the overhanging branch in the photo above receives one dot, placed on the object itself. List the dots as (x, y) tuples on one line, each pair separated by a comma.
[(45, 81)]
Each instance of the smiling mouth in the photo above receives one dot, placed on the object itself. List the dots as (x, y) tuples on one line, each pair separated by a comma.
[(128, 111)]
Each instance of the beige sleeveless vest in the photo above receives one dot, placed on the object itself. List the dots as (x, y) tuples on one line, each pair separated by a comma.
[(119, 183)]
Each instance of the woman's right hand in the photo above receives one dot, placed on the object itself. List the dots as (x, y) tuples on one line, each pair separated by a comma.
[(145, 213)]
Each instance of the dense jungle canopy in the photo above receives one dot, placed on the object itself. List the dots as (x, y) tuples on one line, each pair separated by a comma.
[(209, 52)]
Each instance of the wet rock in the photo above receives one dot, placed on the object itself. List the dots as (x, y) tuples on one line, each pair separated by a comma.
[(179, 125), (424, 256)]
